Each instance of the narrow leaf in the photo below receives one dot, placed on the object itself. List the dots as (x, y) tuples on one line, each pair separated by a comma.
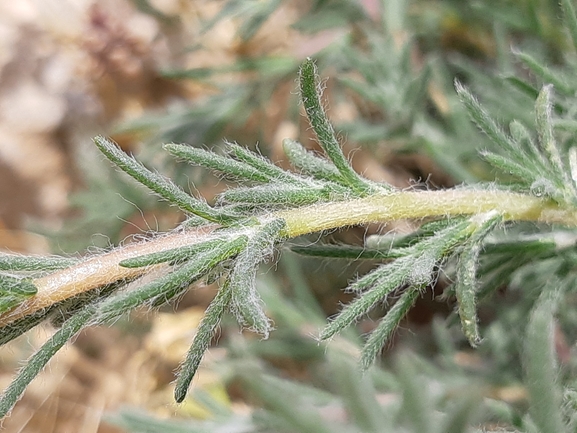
[(310, 94), (14, 291), (524, 139), (510, 167), (523, 86), (166, 287), (21, 326), (344, 252), (159, 184), (265, 167), (16, 262), (546, 74), (541, 368), (544, 124), (465, 290), (16, 286), (309, 163), (37, 361), (276, 194), (201, 341), (220, 254), (246, 302), (58, 312), (213, 161), (485, 122), (383, 281), (381, 335), (174, 255), (466, 285)]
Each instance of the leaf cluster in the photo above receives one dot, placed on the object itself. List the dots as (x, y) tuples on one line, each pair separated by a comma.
[(244, 237)]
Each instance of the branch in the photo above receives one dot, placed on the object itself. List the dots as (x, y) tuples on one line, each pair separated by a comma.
[(104, 269)]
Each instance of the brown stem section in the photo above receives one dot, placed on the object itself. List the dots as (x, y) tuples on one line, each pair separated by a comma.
[(98, 271)]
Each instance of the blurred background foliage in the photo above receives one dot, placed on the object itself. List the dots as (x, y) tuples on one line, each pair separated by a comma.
[(149, 72)]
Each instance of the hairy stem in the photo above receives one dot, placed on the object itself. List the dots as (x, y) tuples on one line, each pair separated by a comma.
[(104, 269), (422, 204), (98, 271)]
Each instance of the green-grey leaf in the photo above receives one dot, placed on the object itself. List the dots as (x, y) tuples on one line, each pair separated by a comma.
[(246, 302), (381, 335), (17, 262), (382, 281), (170, 285), (310, 96), (37, 361), (174, 255), (159, 184), (201, 341), (541, 368), (309, 163), (226, 165)]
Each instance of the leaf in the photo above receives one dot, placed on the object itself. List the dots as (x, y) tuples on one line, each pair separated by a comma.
[(37, 361), (14, 291), (175, 255), (310, 95), (209, 159), (387, 326), (159, 184), (309, 163), (16, 262), (380, 283), (350, 252), (170, 285), (201, 341), (267, 169), (541, 368), (466, 285), (246, 303)]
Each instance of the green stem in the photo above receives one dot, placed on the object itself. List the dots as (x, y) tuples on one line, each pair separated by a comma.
[(423, 204)]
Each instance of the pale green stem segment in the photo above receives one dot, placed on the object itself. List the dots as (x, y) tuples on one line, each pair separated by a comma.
[(422, 204)]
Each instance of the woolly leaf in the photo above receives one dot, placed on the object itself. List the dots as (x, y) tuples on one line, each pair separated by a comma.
[(310, 95), (228, 166), (201, 341), (37, 361), (159, 184), (541, 368)]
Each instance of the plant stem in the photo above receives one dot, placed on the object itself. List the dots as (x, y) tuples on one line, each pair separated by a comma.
[(104, 269), (98, 271), (422, 204)]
